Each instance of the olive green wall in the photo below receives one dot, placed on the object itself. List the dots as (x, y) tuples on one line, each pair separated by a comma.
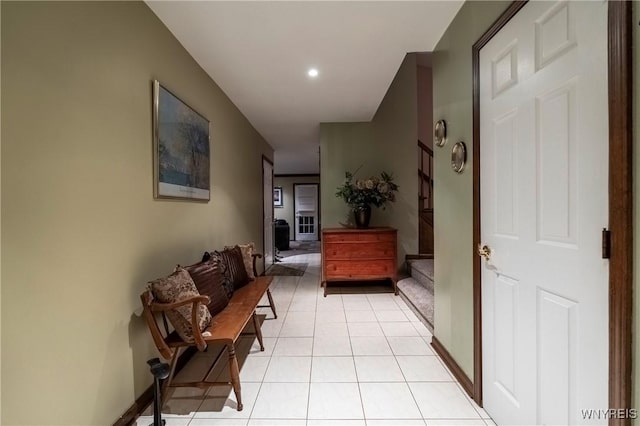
[(81, 232), (0, 226), (395, 127), (286, 211), (343, 147), (453, 213), (387, 143), (636, 195)]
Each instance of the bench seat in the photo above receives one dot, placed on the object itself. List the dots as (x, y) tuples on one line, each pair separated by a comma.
[(227, 325), (225, 328)]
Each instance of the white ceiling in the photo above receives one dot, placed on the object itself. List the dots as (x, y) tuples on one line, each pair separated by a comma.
[(259, 54)]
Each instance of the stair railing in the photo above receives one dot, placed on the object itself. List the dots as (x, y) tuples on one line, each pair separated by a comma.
[(425, 176)]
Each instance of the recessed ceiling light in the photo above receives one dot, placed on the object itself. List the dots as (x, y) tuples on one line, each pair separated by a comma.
[(312, 72)]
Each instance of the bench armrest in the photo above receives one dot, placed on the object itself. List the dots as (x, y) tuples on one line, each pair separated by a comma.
[(255, 256), (195, 328)]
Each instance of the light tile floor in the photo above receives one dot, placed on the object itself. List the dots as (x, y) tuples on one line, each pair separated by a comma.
[(353, 358)]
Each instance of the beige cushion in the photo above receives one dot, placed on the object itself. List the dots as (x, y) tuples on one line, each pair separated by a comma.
[(217, 258), (175, 288), (247, 252)]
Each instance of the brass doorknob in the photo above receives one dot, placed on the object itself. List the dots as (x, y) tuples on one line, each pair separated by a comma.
[(484, 251)]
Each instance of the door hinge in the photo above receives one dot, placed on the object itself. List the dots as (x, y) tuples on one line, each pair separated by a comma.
[(606, 243)]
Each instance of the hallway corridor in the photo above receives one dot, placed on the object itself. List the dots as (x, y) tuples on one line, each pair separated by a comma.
[(344, 360)]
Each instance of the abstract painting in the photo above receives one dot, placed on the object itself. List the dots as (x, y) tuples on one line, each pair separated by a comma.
[(181, 148)]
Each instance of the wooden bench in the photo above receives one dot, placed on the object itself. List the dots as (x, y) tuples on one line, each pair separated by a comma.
[(225, 328)]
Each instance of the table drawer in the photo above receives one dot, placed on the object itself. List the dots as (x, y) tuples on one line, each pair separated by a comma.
[(359, 268), (359, 237), (373, 250)]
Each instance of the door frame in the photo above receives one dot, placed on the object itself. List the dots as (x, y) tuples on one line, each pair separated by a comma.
[(620, 79), (295, 228), (264, 251)]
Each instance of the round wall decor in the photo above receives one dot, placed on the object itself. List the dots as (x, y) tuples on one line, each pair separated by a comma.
[(440, 133), (458, 156)]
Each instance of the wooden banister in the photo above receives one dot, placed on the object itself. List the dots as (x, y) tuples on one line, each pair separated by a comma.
[(425, 148), (425, 198), (425, 176)]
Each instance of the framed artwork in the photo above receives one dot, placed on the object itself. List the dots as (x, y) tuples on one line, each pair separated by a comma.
[(277, 196), (181, 151)]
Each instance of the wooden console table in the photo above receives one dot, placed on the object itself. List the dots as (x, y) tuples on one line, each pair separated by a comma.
[(359, 255)]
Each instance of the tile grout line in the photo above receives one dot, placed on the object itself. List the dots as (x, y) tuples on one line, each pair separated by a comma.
[(267, 368), (406, 382), (313, 338), (355, 369), (471, 402)]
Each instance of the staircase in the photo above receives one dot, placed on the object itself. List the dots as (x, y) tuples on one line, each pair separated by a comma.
[(417, 290)]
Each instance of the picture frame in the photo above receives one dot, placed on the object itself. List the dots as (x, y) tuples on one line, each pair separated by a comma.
[(181, 149), (277, 197)]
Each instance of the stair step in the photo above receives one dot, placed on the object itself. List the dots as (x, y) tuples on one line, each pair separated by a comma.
[(419, 298), (422, 271)]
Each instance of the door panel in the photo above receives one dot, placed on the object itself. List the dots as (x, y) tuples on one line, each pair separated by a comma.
[(543, 177), (557, 360), (506, 194), (506, 309), (556, 172)]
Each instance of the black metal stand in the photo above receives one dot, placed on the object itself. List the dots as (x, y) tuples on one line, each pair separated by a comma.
[(160, 372)]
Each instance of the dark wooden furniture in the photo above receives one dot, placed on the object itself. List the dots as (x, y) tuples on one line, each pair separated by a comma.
[(359, 255), (225, 328)]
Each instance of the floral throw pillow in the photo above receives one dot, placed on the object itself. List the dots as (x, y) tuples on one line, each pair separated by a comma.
[(227, 283), (175, 288), (235, 270), (247, 253)]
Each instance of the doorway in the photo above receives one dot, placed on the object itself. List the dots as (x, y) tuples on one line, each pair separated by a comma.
[(267, 212), (419, 288), (540, 204), (305, 207)]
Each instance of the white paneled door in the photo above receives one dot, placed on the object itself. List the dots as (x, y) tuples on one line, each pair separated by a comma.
[(544, 201), (306, 207), (267, 208)]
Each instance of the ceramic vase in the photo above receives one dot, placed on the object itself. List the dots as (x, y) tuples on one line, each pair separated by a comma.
[(362, 215)]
